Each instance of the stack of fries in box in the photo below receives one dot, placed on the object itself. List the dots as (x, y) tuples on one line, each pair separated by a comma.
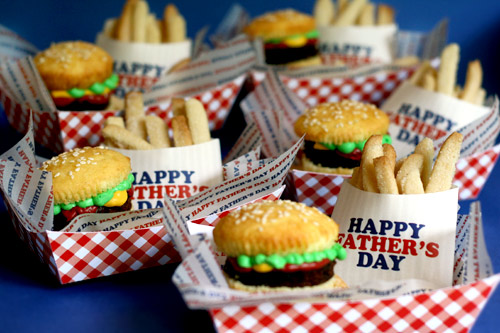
[(355, 12)]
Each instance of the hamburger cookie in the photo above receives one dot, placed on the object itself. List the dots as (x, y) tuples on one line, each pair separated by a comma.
[(79, 75), (335, 134), (279, 245), (89, 180), (288, 36)]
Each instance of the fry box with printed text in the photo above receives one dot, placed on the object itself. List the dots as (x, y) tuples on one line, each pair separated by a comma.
[(179, 172), (357, 45), (395, 237), (140, 65)]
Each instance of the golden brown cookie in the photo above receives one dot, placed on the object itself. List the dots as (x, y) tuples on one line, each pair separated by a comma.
[(76, 64), (275, 227), (280, 24), (334, 283), (307, 165), (339, 122), (80, 174)]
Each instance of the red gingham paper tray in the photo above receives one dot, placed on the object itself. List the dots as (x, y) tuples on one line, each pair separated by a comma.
[(451, 309), (321, 189), (65, 130)]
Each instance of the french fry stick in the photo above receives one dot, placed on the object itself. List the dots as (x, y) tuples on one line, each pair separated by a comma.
[(178, 107), (124, 138), (426, 149), (447, 74), (341, 5), (444, 168), (137, 125), (356, 178), (134, 105), (118, 121), (169, 12), (390, 153), (350, 14), (367, 15), (153, 33), (115, 103), (373, 149), (398, 165), (157, 132), (109, 28), (481, 96), (385, 14), (198, 121), (457, 91), (384, 171), (473, 81), (139, 21), (176, 29), (182, 135), (323, 12), (180, 65), (419, 73), (124, 25), (428, 81), (408, 176)]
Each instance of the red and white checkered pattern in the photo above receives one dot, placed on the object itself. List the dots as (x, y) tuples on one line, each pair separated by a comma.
[(321, 189), (452, 309), (66, 130), (370, 88)]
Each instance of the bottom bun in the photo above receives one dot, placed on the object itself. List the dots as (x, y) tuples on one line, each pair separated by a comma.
[(307, 165), (334, 283)]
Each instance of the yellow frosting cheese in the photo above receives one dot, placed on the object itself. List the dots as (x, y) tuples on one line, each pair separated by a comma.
[(262, 268), (118, 199), (64, 93)]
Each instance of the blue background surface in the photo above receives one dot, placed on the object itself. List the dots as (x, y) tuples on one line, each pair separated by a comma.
[(30, 297)]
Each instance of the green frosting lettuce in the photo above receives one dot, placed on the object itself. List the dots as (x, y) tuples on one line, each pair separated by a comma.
[(309, 35), (100, 199), (278, 262), (349, 147), (97, 88)]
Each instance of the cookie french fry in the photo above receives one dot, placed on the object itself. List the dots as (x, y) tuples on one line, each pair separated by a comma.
[(398, 165), (444, 168), (124, 138), (139, 21), (178, 107), (153, 33), (118, 121), (406, 61), (109, 28), (428, 81), (137, 125), (115, 103), (169, 12), (124, 24), (384, 171), (341, 5), (408, 176), (179, 65), (157, 132), (134, 105), (373, 149), (390, 153), (447, 74), (323, 12), (420, 72), (182, 135), (457, 91), (480, 97), (356, 178), (176, 29), (367, 15), (350, 14), (473, 81), (197, 120), (385, 14), (426, 149)]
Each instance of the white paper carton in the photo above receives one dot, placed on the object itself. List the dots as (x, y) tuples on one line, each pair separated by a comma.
[(358, 45), (140, 65), (178, 172), (396, 237)]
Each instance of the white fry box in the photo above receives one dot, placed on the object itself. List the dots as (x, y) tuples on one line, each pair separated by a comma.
[(417, 113), (179, 172), (140, 65), (396, 237), (356, 45)]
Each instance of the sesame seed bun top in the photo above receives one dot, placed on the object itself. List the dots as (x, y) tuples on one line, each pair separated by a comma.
[(80, 174), (345, 121), (275, 227), (77, 64), (280, 24)]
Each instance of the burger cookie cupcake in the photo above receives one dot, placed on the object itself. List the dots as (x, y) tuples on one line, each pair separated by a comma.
[(335, 134), (79, 75), (89, 180), (288, 36), (279, 245)]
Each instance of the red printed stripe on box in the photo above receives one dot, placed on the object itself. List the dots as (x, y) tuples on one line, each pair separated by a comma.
[(452, 309)]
